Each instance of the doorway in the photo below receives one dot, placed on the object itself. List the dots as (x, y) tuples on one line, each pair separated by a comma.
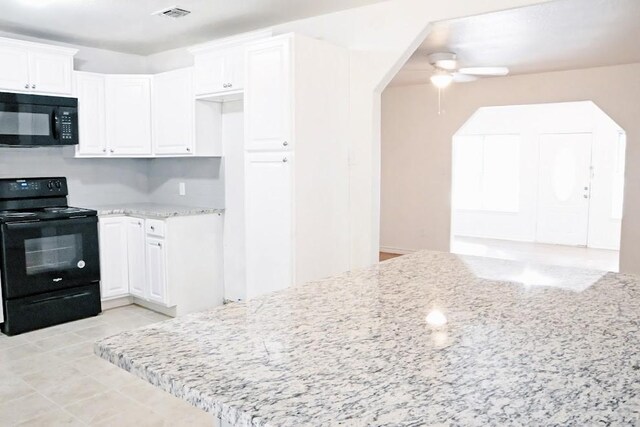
[(539, 182), (564, 189)]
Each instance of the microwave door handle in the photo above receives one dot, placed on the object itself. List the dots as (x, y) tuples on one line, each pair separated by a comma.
[(55, 124)]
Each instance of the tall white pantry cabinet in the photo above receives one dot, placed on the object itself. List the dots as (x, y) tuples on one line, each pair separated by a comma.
[(296, 162)]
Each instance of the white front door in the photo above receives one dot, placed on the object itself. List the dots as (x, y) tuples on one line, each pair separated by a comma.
[(564, 189)]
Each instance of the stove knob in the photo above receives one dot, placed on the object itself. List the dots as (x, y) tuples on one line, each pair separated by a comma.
[(50, 185), (58, 185)]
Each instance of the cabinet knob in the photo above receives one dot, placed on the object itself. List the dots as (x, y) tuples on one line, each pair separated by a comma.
[(285, 143), (26, 86), (159, 245), (230, 85), (285, 160), (111, 151), (104, 150), (33, 86), (152, 228), (188, 149)]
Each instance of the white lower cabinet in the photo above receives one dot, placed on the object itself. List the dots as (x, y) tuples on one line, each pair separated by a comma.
[(173, 265), (156, 271), (113, 257), (136, 256)]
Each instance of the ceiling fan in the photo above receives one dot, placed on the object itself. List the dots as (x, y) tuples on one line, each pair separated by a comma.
[(447, 70)]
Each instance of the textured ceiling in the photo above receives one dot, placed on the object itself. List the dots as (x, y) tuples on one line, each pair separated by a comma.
[(559, 35), (127, 25)]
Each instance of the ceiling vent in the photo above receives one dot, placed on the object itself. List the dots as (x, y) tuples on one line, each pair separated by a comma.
[(172, 12)]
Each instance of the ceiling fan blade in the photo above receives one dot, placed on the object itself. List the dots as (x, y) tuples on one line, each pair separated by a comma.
[(485, 71), (463, 78)]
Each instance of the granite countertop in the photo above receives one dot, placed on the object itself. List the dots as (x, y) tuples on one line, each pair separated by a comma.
[(522, 345), (154, 210)]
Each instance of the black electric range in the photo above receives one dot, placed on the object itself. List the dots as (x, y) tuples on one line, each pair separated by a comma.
[(49, 257)]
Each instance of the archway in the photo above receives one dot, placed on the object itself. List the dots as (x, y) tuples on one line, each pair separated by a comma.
[(539, 182)]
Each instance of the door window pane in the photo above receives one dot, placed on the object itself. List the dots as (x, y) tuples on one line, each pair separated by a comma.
[(52, 253)]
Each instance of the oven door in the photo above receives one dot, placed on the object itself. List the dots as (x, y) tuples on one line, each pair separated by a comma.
[(43, 256), (29, 125)]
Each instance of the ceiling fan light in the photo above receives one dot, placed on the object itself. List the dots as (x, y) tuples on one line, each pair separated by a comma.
[(447, 64), (441, 79)]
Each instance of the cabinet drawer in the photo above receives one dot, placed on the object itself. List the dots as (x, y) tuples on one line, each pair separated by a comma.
[(154, 227)]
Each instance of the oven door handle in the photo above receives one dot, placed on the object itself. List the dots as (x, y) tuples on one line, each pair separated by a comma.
[(26, 225), (72, 296)]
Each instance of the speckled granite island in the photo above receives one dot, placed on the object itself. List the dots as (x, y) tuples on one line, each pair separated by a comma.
[(425, 339)]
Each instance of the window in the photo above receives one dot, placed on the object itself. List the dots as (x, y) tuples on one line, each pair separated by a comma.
[(617, 192), (487, 173)]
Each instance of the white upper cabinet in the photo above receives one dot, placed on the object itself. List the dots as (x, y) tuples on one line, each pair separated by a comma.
[(14, 71), (128, 115), (50, 73), (219, 65), (219, 70), (90, 91), (35, 68), (268, 98), (173, 113)]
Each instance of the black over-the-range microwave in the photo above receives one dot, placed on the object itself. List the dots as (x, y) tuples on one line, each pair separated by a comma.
[(37, 121)]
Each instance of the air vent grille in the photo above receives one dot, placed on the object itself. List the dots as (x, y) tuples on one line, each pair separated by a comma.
[(173, 12)]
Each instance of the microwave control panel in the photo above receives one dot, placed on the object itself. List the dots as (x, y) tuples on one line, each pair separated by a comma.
[(67, 118)]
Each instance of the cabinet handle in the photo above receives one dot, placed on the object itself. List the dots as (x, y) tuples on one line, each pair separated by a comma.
[(285, 143), (285, 160), (33, 86)]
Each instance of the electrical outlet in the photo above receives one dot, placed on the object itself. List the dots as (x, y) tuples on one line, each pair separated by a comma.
[(182, 189)]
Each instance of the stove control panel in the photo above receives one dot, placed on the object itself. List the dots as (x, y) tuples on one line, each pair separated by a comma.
[(33, 188)]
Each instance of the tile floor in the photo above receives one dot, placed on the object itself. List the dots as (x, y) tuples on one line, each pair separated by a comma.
[(51, 377), (568, 256)]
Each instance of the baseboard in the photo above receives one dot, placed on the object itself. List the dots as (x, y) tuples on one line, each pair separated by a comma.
[(116, 302), (391, 250), (167, 311)]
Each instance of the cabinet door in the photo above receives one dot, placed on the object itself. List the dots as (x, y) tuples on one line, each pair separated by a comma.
[(268, 95), (173, 112), (136, 257), (156, 271), (113, 257), (209, 72), (269, 222), (91, 112), (128, 115), (50, 73), (14, 71), (234, 68)]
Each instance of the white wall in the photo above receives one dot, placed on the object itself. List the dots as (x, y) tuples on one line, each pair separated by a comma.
[(91, 181), (529, 123), (416, 163)]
